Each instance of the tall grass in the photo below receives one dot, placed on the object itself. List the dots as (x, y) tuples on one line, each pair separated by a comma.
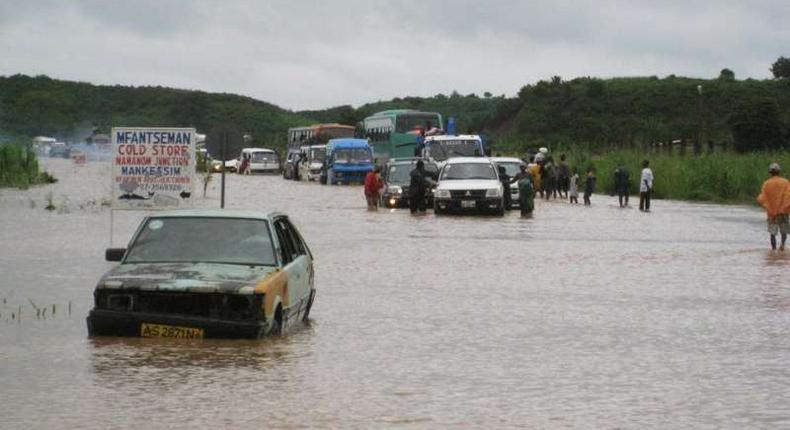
[(19, 167), (725, 177)]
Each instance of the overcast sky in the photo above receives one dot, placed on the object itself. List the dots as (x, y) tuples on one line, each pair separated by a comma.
[(317, 54)]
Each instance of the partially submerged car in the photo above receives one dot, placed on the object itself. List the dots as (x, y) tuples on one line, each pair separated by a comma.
[(469, 183), (206, 274), (397, 178)]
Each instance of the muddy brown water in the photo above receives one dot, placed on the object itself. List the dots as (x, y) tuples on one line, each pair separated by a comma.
[(581, 317)]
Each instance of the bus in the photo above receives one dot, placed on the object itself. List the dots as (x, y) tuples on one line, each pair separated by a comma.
[(394, 133), (299, 138)]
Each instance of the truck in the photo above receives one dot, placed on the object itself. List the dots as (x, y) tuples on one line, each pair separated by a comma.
[(348, 160)]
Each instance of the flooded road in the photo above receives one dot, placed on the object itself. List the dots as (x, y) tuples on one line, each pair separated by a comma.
[(595, 317)]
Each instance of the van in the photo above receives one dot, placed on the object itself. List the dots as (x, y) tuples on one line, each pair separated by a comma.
[(347, 160), (261, 160)]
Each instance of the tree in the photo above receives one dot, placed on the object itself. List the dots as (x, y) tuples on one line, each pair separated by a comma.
[(726, 75), (487, 95), (781, 68), (756, 125)]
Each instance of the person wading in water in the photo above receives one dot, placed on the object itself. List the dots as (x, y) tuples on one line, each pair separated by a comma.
[(775, 198), (419, 182)]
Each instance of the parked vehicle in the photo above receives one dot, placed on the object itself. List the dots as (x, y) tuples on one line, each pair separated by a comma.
[(312, 162), (512, 167), (206, 274), (347, 160), (439, 149), (261, 160), (396, 176), (469, 183)]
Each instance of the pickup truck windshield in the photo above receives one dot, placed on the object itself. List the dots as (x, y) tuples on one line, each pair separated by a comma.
[(203, 240), (355, 155), (441, 150), (318, 154), (468, 171)]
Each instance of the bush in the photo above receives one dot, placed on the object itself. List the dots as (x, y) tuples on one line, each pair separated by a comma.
[(19, 167)]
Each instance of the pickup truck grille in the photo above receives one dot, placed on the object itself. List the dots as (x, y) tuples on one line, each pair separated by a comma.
[(468, 194)]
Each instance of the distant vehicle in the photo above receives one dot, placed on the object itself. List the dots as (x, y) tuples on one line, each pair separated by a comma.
[(60, 149), (347, 161), (312, 163), (261, 160), (217, 165), (394, 133), (245, 275), (397, 178), (439, 149), (469, 183), (512, 167), (316, 134)]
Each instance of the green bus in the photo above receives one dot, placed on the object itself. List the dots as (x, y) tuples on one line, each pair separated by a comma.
[(394, 133)]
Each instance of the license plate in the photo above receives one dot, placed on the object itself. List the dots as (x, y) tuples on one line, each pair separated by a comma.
[(169, 331), (467, 203)]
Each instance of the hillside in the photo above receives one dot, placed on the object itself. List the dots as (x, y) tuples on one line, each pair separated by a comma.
[(31, 106), (582, 112)]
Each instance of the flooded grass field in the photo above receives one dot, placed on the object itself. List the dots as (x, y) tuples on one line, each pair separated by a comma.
[(595, 317)]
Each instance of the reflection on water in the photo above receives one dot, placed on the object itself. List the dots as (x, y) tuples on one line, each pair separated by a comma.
[(579, 317)]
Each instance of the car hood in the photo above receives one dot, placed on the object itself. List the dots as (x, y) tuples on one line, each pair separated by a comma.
[(186, 277), (468, 184)]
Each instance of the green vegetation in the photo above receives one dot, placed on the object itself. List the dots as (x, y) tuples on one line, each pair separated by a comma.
[(31, 106), (19, 167), (725, 177)]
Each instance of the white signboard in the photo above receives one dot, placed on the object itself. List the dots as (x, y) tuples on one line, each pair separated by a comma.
[(152, 167)]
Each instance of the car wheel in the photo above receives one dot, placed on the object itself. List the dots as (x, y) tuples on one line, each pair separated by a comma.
[(437, 210), (276, 328)]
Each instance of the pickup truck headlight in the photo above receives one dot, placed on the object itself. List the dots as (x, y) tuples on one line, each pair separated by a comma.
[(395, 189), (493, 192), (443, 194)]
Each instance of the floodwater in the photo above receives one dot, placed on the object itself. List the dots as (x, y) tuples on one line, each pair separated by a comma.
[(581, 317)]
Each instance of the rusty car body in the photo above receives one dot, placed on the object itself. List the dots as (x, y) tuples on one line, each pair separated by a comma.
[(206, 274)]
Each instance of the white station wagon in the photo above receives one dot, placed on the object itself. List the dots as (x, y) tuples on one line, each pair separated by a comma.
[(206, 274)]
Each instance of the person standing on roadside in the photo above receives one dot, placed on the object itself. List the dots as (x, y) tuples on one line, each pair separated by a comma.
[(373, 186), (506, 180), (573, 187), (589, 186), (645, 187), (775, 198), (621, 185)]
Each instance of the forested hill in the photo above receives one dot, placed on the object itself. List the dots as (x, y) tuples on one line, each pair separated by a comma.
[(32, 106), (747, 114)]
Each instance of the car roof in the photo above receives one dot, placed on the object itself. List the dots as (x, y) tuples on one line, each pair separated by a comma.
[(453, 137), (257, 150), (217, 213), (463, 160), (506, 160)]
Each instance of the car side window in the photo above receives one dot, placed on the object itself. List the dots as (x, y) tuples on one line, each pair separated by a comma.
[(298, 246), (286, 247)]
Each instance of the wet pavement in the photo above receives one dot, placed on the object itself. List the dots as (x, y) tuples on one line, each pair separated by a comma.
[(594, 317)]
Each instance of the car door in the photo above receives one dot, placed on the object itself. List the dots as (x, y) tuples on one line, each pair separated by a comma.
[(296, 264)]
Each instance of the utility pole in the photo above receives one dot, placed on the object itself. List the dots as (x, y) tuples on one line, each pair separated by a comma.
[(698, 141)]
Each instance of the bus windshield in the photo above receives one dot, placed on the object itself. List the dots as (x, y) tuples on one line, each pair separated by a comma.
[(441, 150), (353, 155), (409, 122)]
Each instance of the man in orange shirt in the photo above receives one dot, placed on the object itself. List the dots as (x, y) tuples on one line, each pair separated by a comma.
[(775, 198)]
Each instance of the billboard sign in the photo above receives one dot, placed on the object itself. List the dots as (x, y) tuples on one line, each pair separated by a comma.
[(153, 167)]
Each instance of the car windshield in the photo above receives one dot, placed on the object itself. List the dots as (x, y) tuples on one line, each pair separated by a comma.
[(260, 157), (468, 171), (441, 150), (512, 168), (203, 240), (399, 174), (318, 154), (355, 155)]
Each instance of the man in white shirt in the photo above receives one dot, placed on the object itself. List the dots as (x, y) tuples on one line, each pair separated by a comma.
[(645, 187)]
